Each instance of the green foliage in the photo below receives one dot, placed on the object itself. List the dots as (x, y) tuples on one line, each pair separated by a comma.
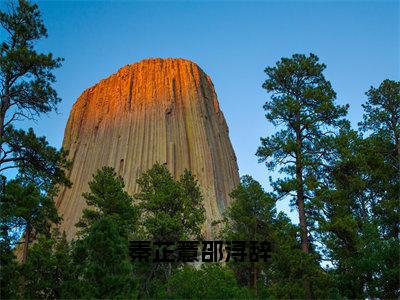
[(289, 266), (100, 256), (382, 110), (303, 110), (27, 75), (48, 269), (37, 162), (9, 269), (211, 281), (250, 217), (172, 210), (347, 229), (359, 205), (382, 153), (27, 92), (103, 263), (24, 208), (251, 213), (108, 198), (302, 104)]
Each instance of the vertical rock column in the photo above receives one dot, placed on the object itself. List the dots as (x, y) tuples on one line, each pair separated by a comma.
[(163, 110)]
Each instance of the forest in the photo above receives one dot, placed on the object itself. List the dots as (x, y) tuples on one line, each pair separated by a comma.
[(344, 182)]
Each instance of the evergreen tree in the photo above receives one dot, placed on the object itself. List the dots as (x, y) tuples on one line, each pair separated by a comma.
[(347, 224), (101, 255), (250, 217), (359, 205), (37, 162), (289, 265), (9, 270), (26, 78), (24, 208), (26, 92), (382, 113), (382, 119), (171, 211), (103, 264), (48, 269), (107, 198), (302, 106), (211, 281)]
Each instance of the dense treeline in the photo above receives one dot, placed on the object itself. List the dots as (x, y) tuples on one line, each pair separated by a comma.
[(344, 183)]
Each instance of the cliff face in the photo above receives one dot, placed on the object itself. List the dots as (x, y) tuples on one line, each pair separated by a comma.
[(163, 110)]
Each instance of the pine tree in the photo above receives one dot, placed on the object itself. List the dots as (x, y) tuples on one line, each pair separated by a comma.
[(25, 209), (302, 107), (171, 211), (48, 269), (344, 217), (103, 263), (107, 198), (382, 119), (250, 217), (10, 274), (26, 93), (211, 281), (359, 205), (289, 265), (103, 267)]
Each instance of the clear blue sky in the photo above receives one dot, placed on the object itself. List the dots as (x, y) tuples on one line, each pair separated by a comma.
[(232, 42)]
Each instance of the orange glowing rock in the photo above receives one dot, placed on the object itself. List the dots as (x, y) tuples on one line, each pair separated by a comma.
[(163, 110)]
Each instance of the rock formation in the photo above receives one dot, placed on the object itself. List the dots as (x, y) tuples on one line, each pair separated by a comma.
[(163, 110)]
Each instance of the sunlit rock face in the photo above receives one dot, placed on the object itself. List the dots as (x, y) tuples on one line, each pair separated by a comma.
[(157, 110)]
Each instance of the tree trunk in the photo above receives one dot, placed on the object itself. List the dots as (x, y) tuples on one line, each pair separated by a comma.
[(2, 116), (303, 224), (5, 104), (397, 145), (300, 192), (300, 199), (301, 209)]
